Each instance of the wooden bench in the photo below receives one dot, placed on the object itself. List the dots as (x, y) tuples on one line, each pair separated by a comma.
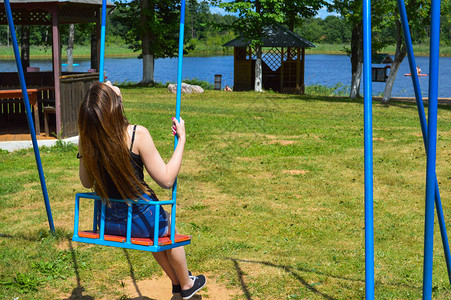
[(48, 110), (10, 96)]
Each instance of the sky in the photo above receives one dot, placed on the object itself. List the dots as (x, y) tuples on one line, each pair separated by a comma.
[(322, 13)]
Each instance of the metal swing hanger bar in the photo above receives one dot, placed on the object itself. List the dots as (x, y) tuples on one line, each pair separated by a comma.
[(178, 98)]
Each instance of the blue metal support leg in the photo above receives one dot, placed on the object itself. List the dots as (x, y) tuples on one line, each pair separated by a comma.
[(28, 113), (424, 129), (368, 132), (431, 149), (102, 43)]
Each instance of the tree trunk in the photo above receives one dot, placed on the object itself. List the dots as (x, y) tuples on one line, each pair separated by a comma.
[(70, 49), (146, 38), (390, 81), (148, 69), (258, 62), (291, 21), (25, 47), (400, 54), (355, 81), (258, 70), (356, 59)]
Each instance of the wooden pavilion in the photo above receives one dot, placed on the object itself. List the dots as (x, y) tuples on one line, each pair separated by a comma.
[(55, 95), (283, 61)]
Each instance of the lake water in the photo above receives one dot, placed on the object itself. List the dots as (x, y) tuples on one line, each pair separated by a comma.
[(325, 70)]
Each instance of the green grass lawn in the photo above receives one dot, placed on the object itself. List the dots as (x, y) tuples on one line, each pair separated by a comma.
[(271, 189)]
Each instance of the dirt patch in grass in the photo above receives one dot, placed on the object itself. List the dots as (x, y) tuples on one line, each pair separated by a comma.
[(283, 142), (295, 172), (161, 289)]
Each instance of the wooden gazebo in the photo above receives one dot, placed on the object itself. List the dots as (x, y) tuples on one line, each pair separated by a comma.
[(53, 94), (283, 60)]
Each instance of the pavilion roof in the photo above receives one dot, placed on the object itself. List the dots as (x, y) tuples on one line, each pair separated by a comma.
[(381, 58), (37, 12), (274, 36)]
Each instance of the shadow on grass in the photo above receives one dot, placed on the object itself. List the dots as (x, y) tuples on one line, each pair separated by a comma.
[(140, 296), (413, 105), (285, 268), (288, 269), (301, 279), (407, 102), (32, 238), (77, 292), (132, 275)]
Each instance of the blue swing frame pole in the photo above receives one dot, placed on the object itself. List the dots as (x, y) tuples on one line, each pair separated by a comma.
[(431, 149), (424, 128), (102, 43), (28, 113), (177, 107), (368, 133)]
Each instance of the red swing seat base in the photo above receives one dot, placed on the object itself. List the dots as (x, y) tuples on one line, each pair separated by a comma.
[(162, 241)]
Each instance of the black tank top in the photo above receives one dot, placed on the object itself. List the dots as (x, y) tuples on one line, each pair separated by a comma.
[(138, 168)]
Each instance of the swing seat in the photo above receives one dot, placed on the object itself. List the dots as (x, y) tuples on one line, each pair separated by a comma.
[(98, 237), (162, 241)]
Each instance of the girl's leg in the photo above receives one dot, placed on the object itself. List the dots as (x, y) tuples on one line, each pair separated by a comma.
[(177, 259), (162, 260), (173, 262)]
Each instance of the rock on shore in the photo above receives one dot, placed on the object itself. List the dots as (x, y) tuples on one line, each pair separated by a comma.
[(186, 88)]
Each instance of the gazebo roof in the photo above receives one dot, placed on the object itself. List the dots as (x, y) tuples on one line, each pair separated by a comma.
[(37, 12), (381, 58), (274, 36)]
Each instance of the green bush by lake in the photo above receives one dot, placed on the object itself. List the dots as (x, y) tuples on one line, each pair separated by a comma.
[(271, 189)]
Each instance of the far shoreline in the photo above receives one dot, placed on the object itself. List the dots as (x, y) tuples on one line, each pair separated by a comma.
[(196, 54)]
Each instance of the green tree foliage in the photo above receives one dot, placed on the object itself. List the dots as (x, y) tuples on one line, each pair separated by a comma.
[(196, 19), (39, 35), (204, 30), (253, 15), (445, 23), (163, 22), (294, 10), (331, 30)]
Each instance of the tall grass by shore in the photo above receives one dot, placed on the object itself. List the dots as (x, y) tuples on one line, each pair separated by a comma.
[(420, 50), (271, 189), (80, 51)]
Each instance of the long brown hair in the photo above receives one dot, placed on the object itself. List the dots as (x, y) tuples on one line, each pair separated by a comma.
[(103, 139)]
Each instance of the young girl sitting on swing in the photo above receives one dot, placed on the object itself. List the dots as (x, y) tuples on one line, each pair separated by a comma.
[(113, 155)]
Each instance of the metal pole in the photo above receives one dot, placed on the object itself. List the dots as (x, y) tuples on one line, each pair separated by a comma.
[(28, 113), (424, 129), (177, 104), (102, 43), (431, 149), (368, 132)]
